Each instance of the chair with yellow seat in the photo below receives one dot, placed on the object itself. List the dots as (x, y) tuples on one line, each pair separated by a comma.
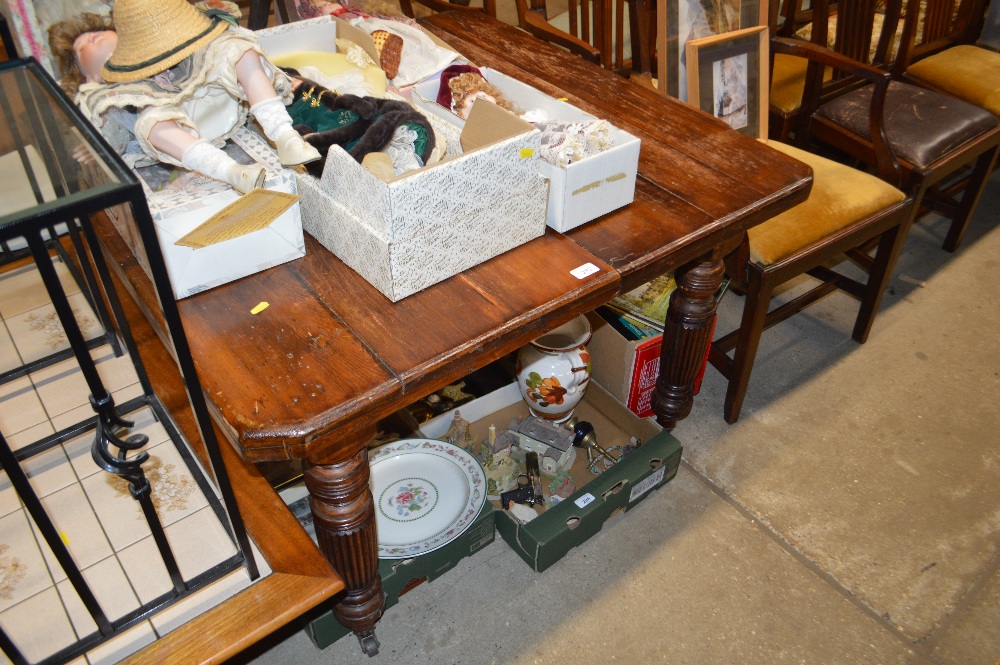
[(847, 209), (865, 39), (920, 140), (942, 54)]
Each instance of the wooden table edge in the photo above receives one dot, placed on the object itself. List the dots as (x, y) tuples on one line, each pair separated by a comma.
[(232, 626)]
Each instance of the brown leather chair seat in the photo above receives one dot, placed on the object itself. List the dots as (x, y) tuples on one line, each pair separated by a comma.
[(922, 125)]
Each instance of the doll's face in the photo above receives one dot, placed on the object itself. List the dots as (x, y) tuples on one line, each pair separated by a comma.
[(467, 104), (92, 50)]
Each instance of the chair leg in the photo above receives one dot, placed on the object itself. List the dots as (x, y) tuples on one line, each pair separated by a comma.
[(890, 244), (970, 199), (755, 307)]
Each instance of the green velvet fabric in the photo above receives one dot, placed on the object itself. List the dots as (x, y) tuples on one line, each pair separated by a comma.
[(839, 197), (320, 119), (968, 72)]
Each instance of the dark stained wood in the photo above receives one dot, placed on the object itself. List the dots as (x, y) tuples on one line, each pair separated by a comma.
[(700, 187), (331, 353), (700, 182), (687, 333), (344, 515), (492, 308), (310, 376), (595, 31)]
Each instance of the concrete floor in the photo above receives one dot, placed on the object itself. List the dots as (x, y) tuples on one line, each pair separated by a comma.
[(851, 516)]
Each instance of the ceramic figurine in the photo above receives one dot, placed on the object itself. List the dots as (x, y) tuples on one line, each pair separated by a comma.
[(458, 433), (498, 463), (562, 485), (552, 442), (553, 371), (168, 83)]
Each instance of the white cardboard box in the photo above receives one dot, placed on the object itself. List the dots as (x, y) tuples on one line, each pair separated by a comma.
[(424, 226), (580, 192), (402, 267), (494, 160), (315, 34), (178, 205), (405, 234)]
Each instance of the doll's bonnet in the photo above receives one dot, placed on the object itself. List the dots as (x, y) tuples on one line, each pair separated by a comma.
[(155, 35)]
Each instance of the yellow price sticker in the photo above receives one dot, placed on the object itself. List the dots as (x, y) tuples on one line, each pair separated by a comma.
[(527, 153)]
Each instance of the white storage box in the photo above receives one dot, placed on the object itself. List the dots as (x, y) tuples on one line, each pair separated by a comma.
[(579, 192), (179, 204), (318, 35), (402, 235), (402, 266)]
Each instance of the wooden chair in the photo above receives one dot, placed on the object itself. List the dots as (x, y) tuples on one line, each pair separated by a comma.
[(434, 6), (919, 140), (259, 11), (612, 33), (846, 210), (865, 38), (942, 54)]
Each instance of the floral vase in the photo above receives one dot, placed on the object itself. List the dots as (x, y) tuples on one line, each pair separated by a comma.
[(553, 371)]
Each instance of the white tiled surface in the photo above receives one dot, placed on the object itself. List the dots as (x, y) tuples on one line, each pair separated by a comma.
[(98, 520)]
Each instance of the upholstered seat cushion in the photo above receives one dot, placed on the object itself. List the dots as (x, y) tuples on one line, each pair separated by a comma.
[(967, 72), (840, 196), (922, 125), (788, 80)]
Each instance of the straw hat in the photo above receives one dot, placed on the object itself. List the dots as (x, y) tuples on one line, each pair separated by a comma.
[(154, 35)]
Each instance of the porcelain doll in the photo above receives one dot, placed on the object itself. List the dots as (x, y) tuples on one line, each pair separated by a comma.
[(168, 83), (466, 88)]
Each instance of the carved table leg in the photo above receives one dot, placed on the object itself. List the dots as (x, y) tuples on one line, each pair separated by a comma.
[(344, 516), (687, 334)]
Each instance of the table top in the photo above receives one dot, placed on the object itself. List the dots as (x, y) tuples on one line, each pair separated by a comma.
[(699, 181), (331, 355)]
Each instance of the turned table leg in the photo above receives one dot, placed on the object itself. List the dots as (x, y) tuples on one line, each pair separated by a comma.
[(344, 516), (686, 337)]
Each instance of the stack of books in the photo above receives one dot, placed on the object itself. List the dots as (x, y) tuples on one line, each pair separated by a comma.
[(641, 312)]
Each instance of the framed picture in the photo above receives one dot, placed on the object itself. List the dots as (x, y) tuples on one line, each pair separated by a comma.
[(727, 76), (989, 37), (683, 20)]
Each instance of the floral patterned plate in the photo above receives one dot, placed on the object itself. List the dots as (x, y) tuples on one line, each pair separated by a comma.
[(426, 493)]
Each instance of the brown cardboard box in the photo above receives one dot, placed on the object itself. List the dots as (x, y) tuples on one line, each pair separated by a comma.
[(627, 369), (548, 537)]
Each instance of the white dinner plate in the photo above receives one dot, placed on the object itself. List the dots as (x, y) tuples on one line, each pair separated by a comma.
[(426, 494)]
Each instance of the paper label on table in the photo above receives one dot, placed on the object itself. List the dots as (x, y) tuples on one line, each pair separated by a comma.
[(584, 500), (647, 484), (585, 270), (252, 212)]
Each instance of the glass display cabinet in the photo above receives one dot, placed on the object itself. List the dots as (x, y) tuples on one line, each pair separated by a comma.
[(55, 172)]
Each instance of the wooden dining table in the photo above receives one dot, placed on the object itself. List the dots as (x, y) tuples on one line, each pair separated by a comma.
[(310, 377)]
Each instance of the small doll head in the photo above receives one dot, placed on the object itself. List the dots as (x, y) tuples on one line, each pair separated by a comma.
[(467, 88), (81, 45)]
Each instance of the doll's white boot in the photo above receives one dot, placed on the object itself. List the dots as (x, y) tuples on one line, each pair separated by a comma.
[(273, 118), (293, 149), (245, 179), (208, 160)]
